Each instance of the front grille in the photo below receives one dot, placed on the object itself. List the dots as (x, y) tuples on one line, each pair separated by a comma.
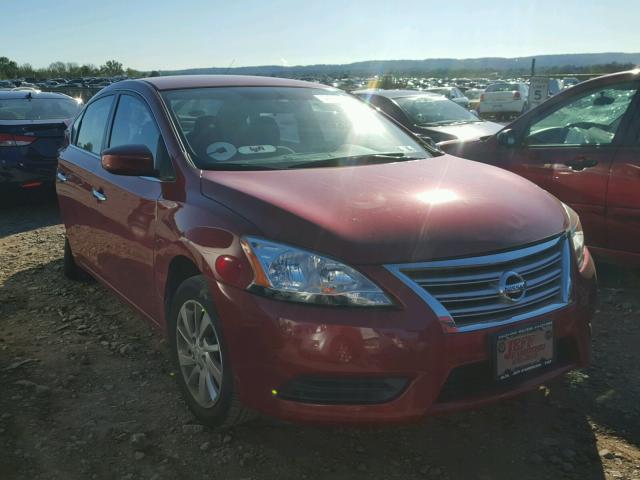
[(343, 390), (468, 290)]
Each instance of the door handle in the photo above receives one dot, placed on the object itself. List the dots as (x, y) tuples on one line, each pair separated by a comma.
[(580, 163), (61, 176), (101, 197)]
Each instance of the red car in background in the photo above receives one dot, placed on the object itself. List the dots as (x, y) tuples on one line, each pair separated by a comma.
[(310, 259), (583, 146)]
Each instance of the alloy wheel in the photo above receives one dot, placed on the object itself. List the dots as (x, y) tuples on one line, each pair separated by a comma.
[(199, 355)]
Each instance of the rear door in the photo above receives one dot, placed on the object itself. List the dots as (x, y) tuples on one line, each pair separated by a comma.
[(126, 210), (569, 150), (76, 164), (623, 199)]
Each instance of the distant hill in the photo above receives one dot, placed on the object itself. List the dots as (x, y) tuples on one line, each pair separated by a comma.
[(372, 67)]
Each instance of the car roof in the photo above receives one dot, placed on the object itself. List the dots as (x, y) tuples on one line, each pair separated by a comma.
[(10, 94), (398, 93), (174, 82)]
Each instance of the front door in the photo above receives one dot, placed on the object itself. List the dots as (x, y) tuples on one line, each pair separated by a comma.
[(126, 212), (623, 199), (570, 149)]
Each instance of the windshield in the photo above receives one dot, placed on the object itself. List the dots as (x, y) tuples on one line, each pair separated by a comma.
[(38, 108), (424, 110), (282, 127), (442, 91)]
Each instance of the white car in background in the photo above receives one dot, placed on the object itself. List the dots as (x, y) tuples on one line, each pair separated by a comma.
[(504, 99)]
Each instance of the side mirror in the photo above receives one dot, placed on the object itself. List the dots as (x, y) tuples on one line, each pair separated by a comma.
[(506, 137), (429, 142), (129, 160), (475, 112)]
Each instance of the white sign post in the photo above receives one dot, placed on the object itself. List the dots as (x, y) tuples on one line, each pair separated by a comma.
[(538, 91)]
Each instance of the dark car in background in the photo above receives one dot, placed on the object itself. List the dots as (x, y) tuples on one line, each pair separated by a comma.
[(311, 260), (32, 129), (429, 115), (583, 146)]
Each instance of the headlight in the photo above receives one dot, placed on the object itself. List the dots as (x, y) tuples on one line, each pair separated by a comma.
[(576, 233), (297, 275)]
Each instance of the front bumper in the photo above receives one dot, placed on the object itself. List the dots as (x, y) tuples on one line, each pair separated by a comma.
[(272, 343)]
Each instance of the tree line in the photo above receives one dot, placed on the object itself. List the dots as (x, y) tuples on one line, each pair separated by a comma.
[(10, 69)]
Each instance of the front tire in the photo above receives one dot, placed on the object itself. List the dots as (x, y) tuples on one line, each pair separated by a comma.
[(201, 357)]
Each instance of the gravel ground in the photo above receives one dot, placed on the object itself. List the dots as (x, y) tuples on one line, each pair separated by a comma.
[(86, 391)]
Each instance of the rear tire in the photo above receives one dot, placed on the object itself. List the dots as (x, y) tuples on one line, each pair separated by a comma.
[(201, 357)]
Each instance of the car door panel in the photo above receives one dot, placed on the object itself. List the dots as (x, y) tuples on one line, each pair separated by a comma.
[(125, 235), (584, 188), (76, 202), (623, 199), (125, 215)]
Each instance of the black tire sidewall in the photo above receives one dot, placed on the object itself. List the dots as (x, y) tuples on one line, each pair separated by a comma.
[(196, 288)]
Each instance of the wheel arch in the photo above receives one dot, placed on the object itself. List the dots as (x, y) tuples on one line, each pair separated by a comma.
[(180, 268)]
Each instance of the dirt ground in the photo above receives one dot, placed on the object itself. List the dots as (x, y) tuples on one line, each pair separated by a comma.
[(87, 392)]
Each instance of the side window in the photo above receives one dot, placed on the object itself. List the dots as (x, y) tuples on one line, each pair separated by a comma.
[(591, 119), (74, 129), (93, 125), (134, 125)]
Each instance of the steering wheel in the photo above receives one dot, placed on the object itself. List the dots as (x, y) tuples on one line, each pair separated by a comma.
[(290, 150), (588, 125)]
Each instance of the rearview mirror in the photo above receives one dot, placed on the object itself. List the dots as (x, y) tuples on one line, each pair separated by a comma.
[(603, 100), (506, 137), (129, 160)]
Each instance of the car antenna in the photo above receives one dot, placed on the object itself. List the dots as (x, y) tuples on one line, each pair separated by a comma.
[(230, 65), (29, 96)]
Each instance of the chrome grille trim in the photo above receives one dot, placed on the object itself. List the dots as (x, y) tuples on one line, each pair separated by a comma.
[(463, 291)]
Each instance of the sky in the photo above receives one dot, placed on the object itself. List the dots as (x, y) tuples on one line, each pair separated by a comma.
[(174, 34)]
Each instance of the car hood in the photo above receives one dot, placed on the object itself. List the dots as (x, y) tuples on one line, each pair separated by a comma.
[(465, 131), (398, 212)]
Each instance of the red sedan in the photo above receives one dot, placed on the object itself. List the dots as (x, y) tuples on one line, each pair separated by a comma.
[(583, 146), (311, 260)]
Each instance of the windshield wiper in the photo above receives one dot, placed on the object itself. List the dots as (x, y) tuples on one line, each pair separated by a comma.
[(238, 166), (367, 159), (446, 122)]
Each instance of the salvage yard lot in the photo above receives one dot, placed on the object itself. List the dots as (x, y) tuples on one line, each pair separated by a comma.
[(86, 391)]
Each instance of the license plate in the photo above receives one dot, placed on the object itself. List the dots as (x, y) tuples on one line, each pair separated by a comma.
[(524, 349)]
